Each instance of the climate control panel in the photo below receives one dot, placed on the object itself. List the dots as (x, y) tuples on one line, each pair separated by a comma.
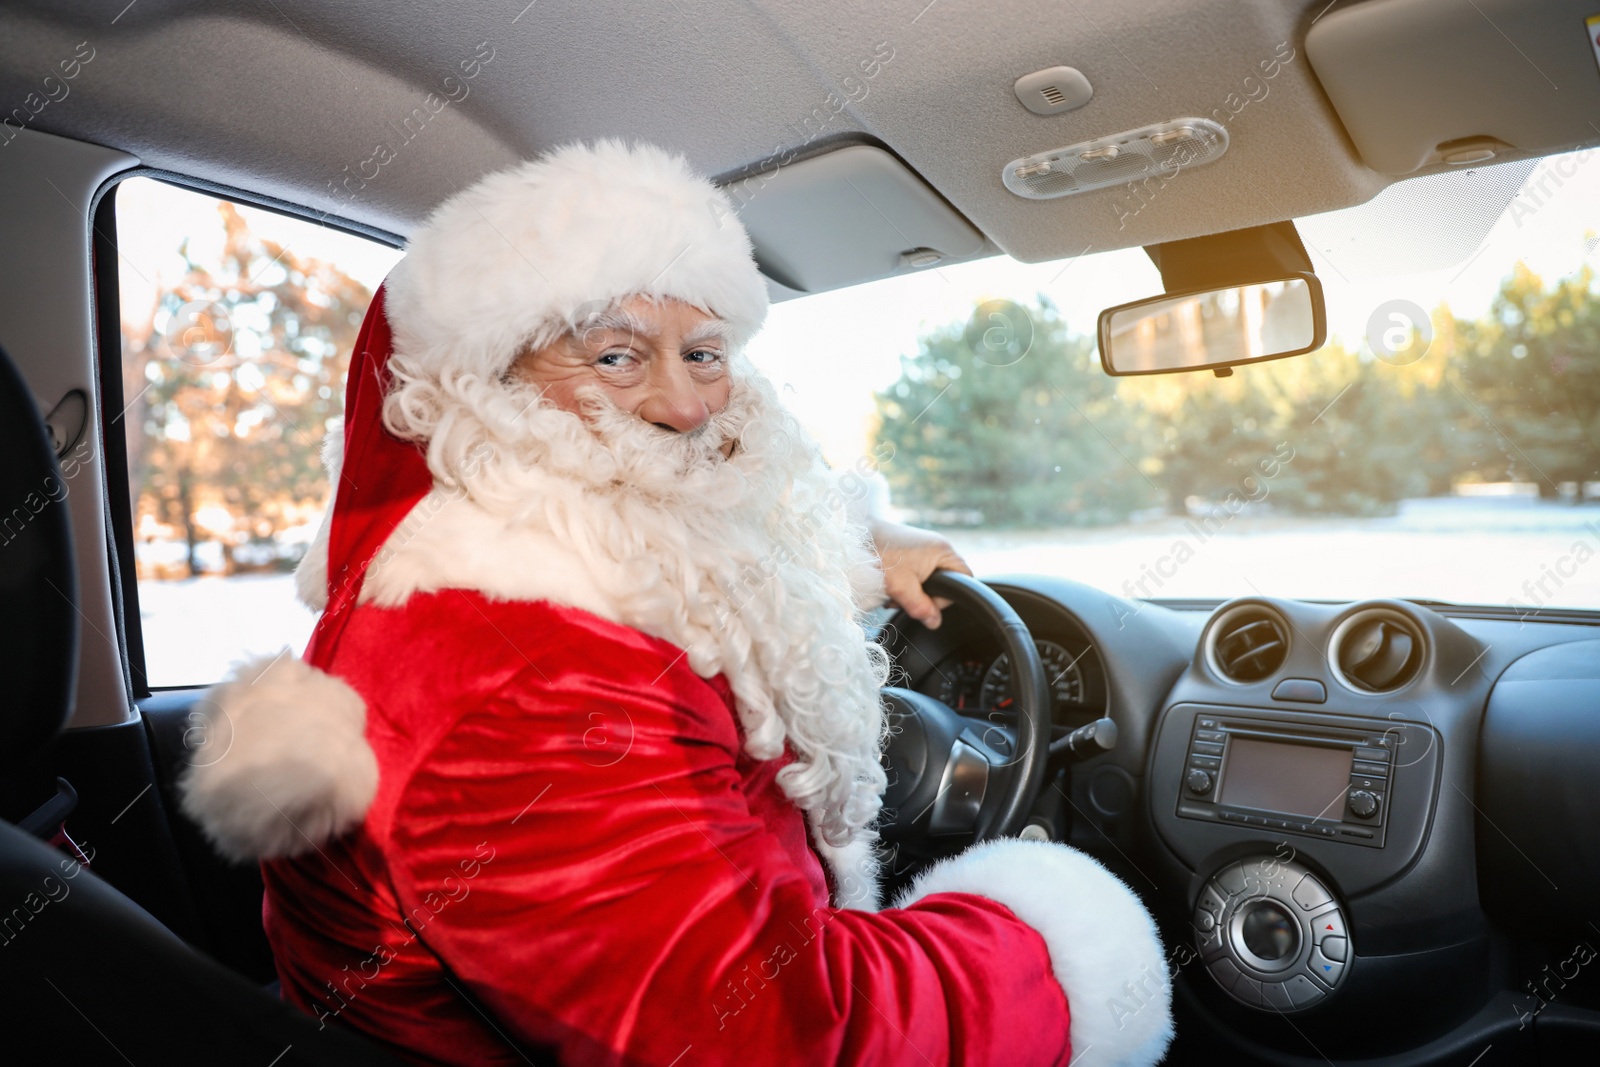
[(1272, 935)]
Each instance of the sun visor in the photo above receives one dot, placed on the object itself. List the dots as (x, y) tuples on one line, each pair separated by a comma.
[(848, 216), (1440, 83)]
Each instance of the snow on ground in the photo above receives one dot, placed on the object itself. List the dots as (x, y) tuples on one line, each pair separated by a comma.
[(1467, 550), (1479, 550), (195, 629)]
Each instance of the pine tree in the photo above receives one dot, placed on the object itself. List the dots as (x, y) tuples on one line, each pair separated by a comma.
[(1003, 418), (1530, 369), (243, 381)]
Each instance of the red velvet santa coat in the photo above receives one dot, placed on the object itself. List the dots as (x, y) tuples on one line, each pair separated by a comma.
[(501, 820), (566, 832)]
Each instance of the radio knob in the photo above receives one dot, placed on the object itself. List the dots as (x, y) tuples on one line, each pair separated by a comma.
[(1363, 804), (1198, 782)]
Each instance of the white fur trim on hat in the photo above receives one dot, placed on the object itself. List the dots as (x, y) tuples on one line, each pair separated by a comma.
[(516, 257), (280, 762), (1103, 946)]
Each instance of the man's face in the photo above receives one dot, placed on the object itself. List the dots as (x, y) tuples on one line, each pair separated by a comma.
[(665, 362)]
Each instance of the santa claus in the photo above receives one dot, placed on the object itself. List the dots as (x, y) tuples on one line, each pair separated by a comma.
[(583, 756)]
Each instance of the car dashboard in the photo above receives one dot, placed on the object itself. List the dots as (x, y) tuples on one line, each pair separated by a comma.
[(1372, 811)]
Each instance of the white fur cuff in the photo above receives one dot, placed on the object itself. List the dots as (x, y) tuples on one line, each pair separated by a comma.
[(280, 760), (1103, 946)]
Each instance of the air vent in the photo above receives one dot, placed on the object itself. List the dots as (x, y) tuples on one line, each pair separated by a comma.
[(1376, 651), (1247, 643), (1053, 95)]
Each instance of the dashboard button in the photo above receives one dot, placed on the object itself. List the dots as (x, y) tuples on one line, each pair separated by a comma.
[(1205, 763), (1364, 803), (1212, 902), (1248, 990), (1370, 770), (1207, 748), (1357, 833), (1198, 782), (1309, 894), (1204, 921), (1276, 996), (1359, 781), (1210, 942), (1304, 690), (1329, 924), (1233, 816), (1224, 972), (1328, 970), (1334, 948), (1303, 992), (1209, 735), (1206, 724), (1232, 880), (1379, 755)]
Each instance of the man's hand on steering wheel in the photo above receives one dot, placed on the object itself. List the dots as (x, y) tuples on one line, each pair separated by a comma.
[(909, 557)]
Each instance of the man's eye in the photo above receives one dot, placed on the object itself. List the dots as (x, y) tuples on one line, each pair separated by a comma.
[(614, 359), (703, 355)]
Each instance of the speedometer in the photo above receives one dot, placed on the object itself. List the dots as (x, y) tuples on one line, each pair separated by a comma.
[(959, 684), (1060, 670)]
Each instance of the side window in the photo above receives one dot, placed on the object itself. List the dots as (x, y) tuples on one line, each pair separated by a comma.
[(237, 327)]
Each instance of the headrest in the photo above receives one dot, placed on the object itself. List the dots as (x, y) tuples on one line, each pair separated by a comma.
[(38, 580)]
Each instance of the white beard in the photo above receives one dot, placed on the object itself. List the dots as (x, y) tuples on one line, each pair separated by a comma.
[(749, 564)]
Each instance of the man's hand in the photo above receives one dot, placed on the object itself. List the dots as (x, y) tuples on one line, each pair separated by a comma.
[(909, 556)]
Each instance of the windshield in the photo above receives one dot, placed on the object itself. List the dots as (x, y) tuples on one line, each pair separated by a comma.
[(1444, 444)]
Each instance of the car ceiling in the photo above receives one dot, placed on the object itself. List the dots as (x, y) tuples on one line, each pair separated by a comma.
[(277, 98)]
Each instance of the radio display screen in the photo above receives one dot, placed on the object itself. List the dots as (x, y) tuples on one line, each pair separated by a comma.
[(1306, 780)]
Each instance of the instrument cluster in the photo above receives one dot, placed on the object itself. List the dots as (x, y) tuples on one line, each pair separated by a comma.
[(978, 680)]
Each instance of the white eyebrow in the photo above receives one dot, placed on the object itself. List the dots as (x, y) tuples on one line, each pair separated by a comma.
[(624, 320), (613, 318), (710, 330)]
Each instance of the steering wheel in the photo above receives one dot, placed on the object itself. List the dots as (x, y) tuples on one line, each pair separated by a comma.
[(955, 779)]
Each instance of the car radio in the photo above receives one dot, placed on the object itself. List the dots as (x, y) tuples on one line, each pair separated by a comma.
[(1289, 777)]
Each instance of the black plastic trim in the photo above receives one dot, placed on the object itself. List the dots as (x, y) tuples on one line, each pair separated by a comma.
[(1538, 872), (105, 295)]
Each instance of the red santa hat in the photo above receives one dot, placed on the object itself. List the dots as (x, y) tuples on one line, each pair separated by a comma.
[(515, 260)]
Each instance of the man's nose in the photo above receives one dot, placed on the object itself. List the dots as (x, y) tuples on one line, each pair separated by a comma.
[(674, 403)]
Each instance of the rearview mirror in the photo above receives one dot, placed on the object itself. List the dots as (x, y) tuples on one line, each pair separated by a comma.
[(1215, 328)]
